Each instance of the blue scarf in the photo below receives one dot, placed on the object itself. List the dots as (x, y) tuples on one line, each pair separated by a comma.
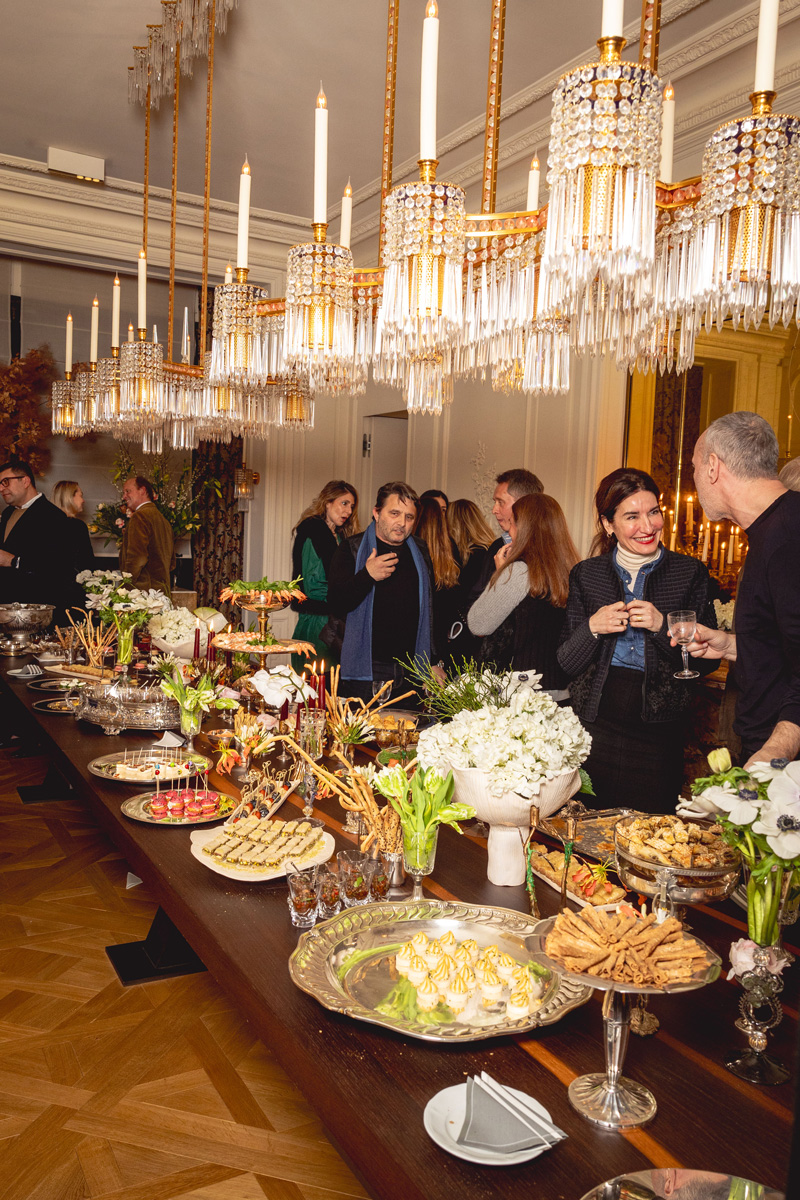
[(357, 645)]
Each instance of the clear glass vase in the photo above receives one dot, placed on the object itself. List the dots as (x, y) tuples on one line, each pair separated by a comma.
[(125, 634), (419, 856), (191, 720)]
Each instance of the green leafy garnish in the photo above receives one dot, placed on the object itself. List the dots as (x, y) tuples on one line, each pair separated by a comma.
[(401, 1004)]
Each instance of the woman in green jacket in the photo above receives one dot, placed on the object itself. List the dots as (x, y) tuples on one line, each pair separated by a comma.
[(328, 520)]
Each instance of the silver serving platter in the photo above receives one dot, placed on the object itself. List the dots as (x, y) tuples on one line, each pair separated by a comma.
[(319, 965), (106, 765), (125, 707), (703, 976), (138, 809)]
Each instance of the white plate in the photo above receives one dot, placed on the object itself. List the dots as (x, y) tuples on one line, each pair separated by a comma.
[(42, 659), (199, 838), (444, 1115), (581, 900)]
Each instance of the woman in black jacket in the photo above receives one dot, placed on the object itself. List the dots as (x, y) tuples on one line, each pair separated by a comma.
[(331, 517), (616, 647)]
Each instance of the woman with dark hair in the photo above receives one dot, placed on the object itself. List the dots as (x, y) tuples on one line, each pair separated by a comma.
[(431, 527), (616, 647), (67, 496), (520, 613), (331, 517)]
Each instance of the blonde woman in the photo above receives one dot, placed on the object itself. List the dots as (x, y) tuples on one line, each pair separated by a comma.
[(67, 496)]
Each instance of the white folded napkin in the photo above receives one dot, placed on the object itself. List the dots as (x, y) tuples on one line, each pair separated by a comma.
[(170, 739), (496, 1119), (28, 669)]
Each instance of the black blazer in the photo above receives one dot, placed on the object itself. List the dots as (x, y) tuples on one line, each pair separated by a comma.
[(677, 581), (42, 572)]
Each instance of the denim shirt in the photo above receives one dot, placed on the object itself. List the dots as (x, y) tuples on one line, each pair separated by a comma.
[(629, 648)]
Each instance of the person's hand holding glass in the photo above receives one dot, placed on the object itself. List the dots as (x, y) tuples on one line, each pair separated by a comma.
[(682, 625)]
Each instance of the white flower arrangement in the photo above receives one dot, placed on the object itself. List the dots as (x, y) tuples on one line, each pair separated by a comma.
[(281, 685), (174, 626), (96, 582), (724, 614), (519, 746)]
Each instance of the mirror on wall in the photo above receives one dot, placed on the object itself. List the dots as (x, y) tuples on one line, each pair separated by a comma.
[(755, 370)]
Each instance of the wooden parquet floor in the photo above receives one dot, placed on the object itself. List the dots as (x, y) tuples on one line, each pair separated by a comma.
[(153, 1092)]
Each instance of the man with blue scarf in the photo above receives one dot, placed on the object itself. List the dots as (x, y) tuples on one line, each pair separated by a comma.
[(381, 582)]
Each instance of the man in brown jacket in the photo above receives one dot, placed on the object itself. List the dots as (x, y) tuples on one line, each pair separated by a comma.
[(148, 547)]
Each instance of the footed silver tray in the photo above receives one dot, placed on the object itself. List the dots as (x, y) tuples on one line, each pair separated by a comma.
[(155, 756), (120, 706), (344, 963)]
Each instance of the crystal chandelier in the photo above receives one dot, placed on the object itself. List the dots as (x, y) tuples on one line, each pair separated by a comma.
[(748, 236), (319, 329), (297, 403), (599, 246)]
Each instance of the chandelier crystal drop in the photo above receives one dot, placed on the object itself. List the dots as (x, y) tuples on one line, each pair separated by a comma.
[(600, 239), (297, 403), (421, 309), (748, 229), (319, 336), (237, 336), (141, 373), (63, 407)]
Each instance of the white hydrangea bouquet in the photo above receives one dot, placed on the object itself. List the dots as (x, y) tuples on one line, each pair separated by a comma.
[(520, 749), (519, 746)]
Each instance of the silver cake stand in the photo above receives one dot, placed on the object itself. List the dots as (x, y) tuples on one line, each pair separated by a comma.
[(612, 1100)]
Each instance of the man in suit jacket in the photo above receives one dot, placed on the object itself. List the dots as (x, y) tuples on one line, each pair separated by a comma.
[(35, 560), (148, 547)]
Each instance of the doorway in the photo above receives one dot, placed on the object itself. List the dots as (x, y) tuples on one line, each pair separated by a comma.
[(385, 453)]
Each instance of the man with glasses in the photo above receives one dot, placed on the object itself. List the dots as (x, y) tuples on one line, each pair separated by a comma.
[(35, 566)]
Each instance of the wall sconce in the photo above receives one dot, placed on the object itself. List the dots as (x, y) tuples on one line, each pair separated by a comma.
[(244, 482)]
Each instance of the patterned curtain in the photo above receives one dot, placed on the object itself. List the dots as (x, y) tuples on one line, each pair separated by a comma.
[(218, 548), (666, 430)]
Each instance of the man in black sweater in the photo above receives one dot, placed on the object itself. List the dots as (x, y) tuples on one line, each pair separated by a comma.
[(381, 582), (735, 471)]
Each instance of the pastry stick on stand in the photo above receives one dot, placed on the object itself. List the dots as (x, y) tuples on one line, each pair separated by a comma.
[(530, 882)]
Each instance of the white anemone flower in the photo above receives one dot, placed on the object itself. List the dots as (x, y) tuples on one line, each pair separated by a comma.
[(780, 824), (741, 808), (784, 785)]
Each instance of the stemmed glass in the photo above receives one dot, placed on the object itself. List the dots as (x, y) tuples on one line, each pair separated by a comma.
[(682, 626), (312, 740), (419, 856)]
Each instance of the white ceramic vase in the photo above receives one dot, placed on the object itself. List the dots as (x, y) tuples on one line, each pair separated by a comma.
[(508, 818)]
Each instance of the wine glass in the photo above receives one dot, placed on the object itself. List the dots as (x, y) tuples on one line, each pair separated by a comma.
[(312, 740), (682, 626), (419, 856)]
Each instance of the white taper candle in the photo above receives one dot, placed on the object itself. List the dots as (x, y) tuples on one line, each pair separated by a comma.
[(94, 330), (613, 18), (68, 349), (347, 216), (765, 48), (428, 81), (244, 215), (532, 202), (667, 134), (115, 297), (321, 159), (142, 307)]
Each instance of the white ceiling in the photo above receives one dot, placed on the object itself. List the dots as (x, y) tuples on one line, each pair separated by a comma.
[(64, 83)]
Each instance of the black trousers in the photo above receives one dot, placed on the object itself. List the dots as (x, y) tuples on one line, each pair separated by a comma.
[(633, 763)]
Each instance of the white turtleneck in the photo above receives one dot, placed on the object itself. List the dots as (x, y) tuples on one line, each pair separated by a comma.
[(633, 563)]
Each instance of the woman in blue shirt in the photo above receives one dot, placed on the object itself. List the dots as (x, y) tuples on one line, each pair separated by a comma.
[(616, 647)]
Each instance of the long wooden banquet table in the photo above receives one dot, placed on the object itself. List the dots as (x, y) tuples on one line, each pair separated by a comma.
[(370, 1085)]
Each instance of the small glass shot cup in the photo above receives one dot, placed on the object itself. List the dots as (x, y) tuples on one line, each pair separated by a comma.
[(328, 885), (303, 895), (355, 876), (381, 877)]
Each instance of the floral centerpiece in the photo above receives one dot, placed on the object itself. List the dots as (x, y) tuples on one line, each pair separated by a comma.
[(423, 802), (177, 496), (110, 594), (281, 685), (518, 750), (174, 631), (758, 810), (196, 694), (518, 747)]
